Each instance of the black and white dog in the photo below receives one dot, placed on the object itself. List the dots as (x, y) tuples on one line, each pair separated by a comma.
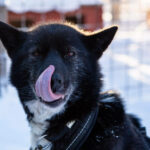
[(55, 70)]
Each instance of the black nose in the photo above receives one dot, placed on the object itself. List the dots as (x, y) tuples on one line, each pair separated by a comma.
[(57, 84)]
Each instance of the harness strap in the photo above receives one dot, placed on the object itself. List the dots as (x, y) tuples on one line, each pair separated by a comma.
[(82, 134), (79, 137), (84, 127)]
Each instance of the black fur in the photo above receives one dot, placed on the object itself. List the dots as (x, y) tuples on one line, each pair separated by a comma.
[(33, 51)]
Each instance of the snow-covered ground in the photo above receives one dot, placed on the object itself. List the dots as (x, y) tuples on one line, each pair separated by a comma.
[(14, 130), (126, 68)]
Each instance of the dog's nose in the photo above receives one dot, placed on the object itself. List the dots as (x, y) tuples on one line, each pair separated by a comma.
[(57, 84)]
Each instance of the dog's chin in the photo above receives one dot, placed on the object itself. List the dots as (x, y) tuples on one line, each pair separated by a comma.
[(55, 103)]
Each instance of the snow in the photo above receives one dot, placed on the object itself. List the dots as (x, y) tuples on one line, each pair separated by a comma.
[(47, 5), (2, 2), (14, 130)]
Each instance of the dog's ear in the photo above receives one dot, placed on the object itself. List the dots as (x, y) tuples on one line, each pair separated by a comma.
[(11, 38), (97, 42)]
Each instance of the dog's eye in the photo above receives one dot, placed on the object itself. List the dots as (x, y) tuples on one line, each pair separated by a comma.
[(69, 54), (36, 53)]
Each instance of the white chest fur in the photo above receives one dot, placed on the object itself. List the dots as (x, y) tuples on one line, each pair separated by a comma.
[(38, 125)]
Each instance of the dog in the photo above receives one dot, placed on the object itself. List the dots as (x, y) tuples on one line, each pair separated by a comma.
[(59, 81)]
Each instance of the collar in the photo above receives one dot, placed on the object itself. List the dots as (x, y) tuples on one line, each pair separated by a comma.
[(83, 127)]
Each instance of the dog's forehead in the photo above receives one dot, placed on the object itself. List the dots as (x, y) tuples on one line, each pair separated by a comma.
[(55, 30), (54, 35)]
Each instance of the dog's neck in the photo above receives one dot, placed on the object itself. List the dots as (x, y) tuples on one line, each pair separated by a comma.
[(72, 133), (52, 122)]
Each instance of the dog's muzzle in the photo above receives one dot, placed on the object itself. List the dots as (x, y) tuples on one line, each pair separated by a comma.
[(43, 86)]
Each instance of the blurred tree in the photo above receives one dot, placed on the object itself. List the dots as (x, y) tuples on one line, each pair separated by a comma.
[(115, 10), (3, 17)]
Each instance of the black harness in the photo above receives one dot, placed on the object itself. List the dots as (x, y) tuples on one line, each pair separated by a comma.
[(83, 132), (83, 127), (88, 123)]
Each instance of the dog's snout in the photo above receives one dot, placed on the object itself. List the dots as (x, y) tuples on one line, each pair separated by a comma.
[(57, 83)]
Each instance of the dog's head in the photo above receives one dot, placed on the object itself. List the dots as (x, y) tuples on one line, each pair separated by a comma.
[(58, 56)]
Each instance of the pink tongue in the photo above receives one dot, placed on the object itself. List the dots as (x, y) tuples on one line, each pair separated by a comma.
[(43, 85)]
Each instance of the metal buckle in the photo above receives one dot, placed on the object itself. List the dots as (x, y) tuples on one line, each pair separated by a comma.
[(41, 147)]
